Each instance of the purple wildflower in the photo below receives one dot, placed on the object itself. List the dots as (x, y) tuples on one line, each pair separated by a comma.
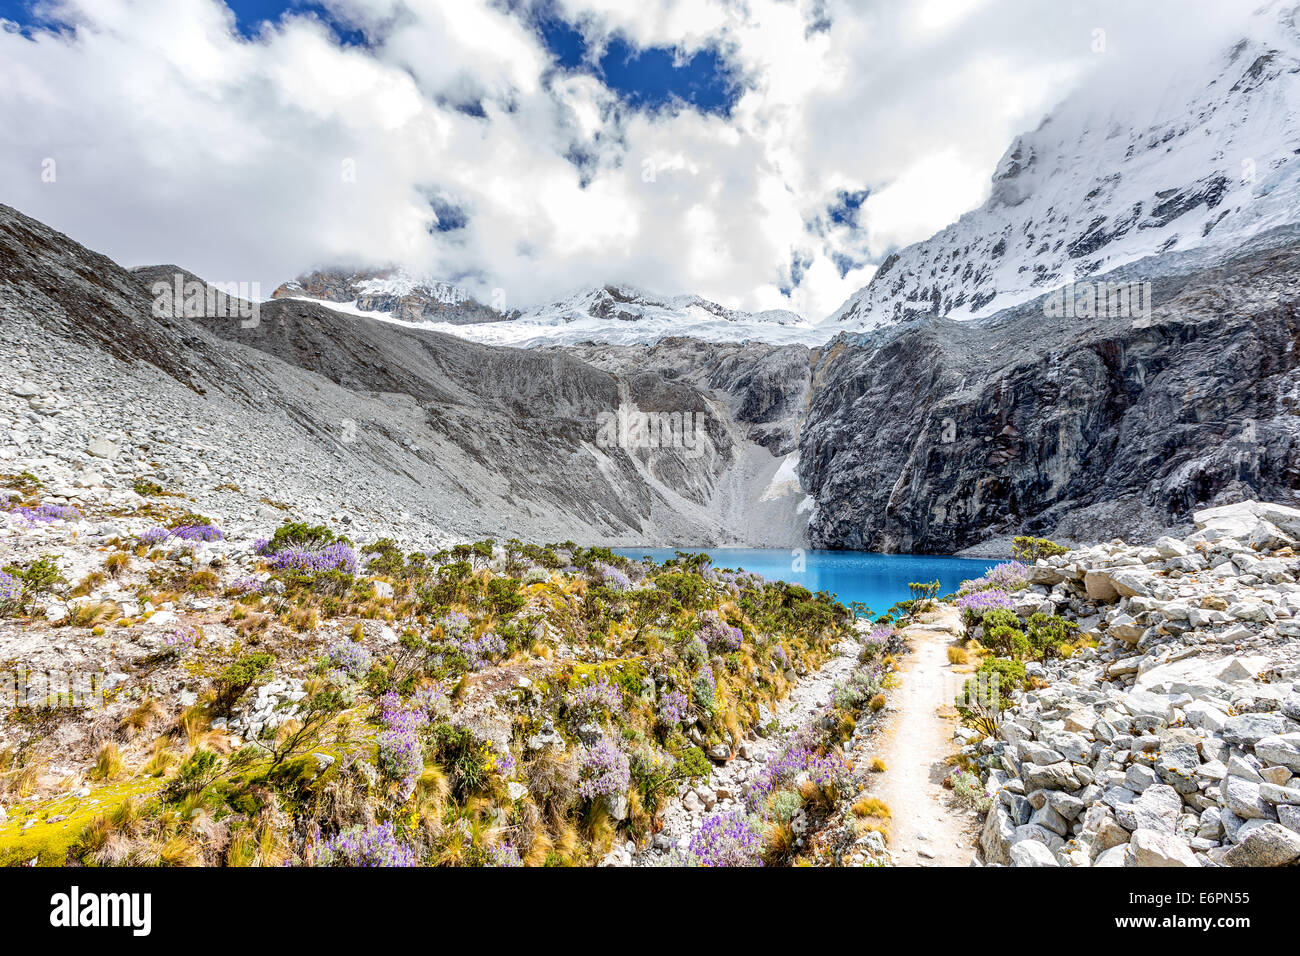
[(429, 698), (198, 532), (10, 589), (727, 839), (506, 763), (604, 770), (480, 651), (718, 634), (333, 557), (977, 603), (599, 695), (154, 536), (504, 854), (613, 578), (1008, 575), (454, 624), (375, 845), (46, 514), (181, 640), (400, 754), (352, 659), (673, 707)]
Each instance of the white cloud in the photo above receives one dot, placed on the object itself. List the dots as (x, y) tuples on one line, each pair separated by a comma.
[(179, 140)]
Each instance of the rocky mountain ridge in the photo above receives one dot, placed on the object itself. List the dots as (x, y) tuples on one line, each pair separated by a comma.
[(933, 436), (356, 419)]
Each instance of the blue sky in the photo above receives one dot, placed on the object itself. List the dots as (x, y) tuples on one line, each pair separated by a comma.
[(645, 78), (765, 154)]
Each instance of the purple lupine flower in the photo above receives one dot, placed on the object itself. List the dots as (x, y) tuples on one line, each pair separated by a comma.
[(779, 655), (798, 754), (727, 839), (332, 557), (504, 854), (246, 585), (673, 707), (45, 514), (828, 770), (977, 603), (604, 769), (1008, 575), (877, 641), (429, 698), (154, 536), (506, 763), (375, 845), (480, 651), (10, 589), (197, 532), (182, 640), (352, 659), (613, 578), (400, 755), (599, 695), (260, 545), (718, 634), (454, 624)]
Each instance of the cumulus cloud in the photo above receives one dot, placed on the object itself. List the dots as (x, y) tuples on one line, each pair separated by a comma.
[(452, 142)]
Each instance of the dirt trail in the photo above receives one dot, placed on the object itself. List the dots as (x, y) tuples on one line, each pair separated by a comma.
[(924, 829)]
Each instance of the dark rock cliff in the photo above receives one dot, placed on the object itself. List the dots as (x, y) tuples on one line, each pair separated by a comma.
[(936, 436)]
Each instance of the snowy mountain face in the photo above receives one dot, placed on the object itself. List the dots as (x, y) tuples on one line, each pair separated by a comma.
[(1203, 159), (622, 315), (613, 314), (391, 293)]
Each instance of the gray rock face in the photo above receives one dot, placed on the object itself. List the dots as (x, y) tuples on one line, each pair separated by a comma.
[(932, 436)]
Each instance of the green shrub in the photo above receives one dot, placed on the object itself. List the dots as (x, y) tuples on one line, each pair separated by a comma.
[(1029, 549), (310, 537), (238, 677), (1047, 633), (146, 488)]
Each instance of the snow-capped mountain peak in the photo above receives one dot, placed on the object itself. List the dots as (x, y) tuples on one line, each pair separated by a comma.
[(1201, 157), (615, 314)]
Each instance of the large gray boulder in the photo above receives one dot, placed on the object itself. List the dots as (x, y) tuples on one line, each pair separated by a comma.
[(1032, 853), (1156, 808), (1268, 845), (1280, 750), (1153, 848)]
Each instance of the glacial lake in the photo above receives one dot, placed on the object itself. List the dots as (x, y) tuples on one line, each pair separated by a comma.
[(877, 580)]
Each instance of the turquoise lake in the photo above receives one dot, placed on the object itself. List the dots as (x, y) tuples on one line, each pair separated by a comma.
[(877, 580)]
